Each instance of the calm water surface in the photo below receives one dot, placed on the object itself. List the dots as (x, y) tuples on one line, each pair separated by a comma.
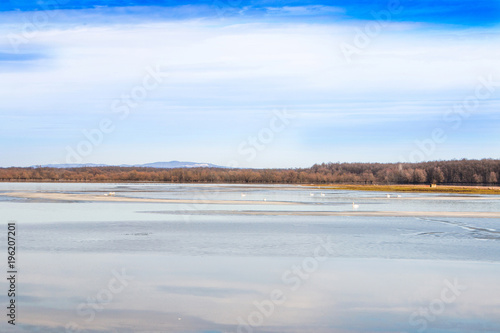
[(169, 267)]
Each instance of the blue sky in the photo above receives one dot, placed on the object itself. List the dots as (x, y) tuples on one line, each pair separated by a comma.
[(364, 81)]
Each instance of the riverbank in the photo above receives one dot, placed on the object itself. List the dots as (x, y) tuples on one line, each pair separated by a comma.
[(415, 188), (112, 198)]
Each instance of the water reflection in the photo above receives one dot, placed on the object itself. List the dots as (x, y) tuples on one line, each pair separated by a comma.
[(226, 294), (119, 267)]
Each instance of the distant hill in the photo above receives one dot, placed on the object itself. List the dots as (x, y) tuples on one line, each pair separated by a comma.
[(157, 165), (453, 172), (177, 164), (64, 166)]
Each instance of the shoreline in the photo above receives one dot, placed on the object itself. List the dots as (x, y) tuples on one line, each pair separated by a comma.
[(70, 197), (102, 198), (398, 188), (404, 188), (81, 197), (336, 213)]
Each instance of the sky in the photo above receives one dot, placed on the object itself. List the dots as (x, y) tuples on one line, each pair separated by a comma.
[(258, 84)]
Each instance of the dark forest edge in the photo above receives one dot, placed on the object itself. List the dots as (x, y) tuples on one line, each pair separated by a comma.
[(456, 172)]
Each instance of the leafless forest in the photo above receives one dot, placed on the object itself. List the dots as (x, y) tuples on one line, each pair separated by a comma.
[(486, 171)]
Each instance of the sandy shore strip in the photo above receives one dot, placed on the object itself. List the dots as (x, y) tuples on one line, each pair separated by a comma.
[(103, 198), (409, 188), (343, 213), (58, 196), (440, 197)]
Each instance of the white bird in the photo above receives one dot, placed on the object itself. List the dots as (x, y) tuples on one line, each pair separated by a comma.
[(388, 195), (243, 195), (322, 194), (399, 196), (355, 206), (311, 194), (265, 199), (111, 193)]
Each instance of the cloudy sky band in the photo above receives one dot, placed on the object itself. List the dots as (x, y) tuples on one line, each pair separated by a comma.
[(227, 73)]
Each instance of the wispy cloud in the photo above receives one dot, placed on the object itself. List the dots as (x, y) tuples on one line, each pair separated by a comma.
[(21, 56), (226, 76), (312, 10), (463, 13)]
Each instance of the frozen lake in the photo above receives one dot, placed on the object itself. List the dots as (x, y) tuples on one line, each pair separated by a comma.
[(214, 266)]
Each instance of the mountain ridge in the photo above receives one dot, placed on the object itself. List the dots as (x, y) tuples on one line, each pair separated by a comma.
[(156, 165)]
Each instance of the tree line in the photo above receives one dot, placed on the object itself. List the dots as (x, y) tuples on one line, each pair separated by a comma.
[(485, 171)]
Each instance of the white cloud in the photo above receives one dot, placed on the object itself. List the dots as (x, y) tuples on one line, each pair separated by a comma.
[(305, 10), (240, 68), (260, 57)]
